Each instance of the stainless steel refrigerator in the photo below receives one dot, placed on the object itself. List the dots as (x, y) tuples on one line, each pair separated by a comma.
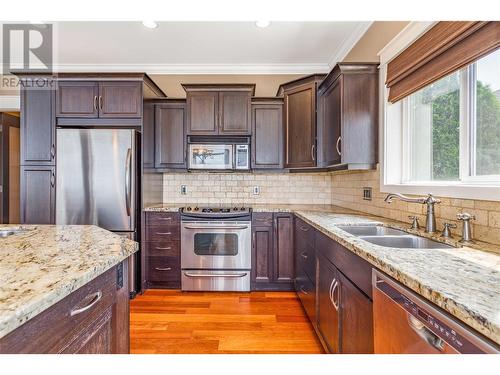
[(97, 180)]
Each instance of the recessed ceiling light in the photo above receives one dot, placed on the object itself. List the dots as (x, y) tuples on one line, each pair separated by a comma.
[(262, 24), (150, 24)]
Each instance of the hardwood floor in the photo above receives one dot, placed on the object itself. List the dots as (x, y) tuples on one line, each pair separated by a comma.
[(165, 321)]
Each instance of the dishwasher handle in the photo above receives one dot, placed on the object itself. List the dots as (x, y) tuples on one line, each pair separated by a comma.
[(425, 333)]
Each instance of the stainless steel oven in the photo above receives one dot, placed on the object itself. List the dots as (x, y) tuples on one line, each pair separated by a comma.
[(216, 249)]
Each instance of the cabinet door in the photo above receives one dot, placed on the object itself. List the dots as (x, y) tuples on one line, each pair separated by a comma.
[(267, 136), (331, 105), (38, 195), (202, 113), (148, 136), (77, 99), (120, 99), (284, 251), (38, 127), (170, 140), (328, 317), (357, 319), (96, 338), (234, 112), (262, 254), (300, 126)]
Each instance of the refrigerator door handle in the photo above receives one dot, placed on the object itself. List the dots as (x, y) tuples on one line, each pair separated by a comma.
[(128, 181)]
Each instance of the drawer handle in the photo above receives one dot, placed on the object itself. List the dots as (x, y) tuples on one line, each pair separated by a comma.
[(303, 255), (304, 229), (163, 248), (163, 269), (302, 290), (242, 274), (96, 298), (164, 233), (164, 218)]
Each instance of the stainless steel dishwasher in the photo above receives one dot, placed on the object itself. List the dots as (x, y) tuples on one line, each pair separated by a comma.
[(405, 323)]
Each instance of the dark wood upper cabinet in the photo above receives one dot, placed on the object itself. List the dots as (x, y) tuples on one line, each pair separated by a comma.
[(170, 139), (234, 112), (93, 99), (38, 128), (267, 134), (38, 194), (77, 99), (300, 121), (348, 112), (218, 109), (120, 99), (148, 135), (203, 113)]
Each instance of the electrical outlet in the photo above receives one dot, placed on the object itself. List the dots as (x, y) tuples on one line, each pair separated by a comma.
[(184, 189), (367, 193), (256, 190)]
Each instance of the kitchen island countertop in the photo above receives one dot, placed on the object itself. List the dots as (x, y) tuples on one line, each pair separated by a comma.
[(45, 263)]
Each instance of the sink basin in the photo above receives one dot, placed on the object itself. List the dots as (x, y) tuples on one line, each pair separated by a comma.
[(9, 231), (371, 230), (408, 242)]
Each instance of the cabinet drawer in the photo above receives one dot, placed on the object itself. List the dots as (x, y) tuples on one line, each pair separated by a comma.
[(305, 259), (164, 233), (356, 269), (162, 218), (262, 219), (304, 232), (55, 328), (163, 269), (166, 248), (306, 291)]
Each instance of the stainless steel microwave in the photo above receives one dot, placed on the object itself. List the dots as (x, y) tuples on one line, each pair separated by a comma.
[(219, 156)]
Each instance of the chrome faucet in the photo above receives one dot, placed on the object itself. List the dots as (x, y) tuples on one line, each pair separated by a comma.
[(466, 229), (429, 200)]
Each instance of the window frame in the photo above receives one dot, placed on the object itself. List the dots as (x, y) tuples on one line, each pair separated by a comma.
[(395, 156)]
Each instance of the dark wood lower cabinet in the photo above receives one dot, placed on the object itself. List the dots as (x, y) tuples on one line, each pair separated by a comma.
[(343, 316), (272, 251), (69, 327), (162, 250), (328, 315)]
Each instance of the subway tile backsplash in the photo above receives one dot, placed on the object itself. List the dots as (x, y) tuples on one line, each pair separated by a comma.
[(230, 188)]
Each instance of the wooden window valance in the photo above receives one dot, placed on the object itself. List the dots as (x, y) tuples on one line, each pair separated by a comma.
[(447, 47)]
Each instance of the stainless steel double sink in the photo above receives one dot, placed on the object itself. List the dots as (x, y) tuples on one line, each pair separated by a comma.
[(390, 237)]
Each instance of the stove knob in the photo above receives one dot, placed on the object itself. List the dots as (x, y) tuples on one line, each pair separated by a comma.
[(235, 209), (188, 208), (196, 208), (242, 209)]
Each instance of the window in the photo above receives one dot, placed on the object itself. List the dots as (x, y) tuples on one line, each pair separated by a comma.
[(451, 128)]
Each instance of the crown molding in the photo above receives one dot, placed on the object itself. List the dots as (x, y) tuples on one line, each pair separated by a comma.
[(195, 68), (348, 43), (10, 103)]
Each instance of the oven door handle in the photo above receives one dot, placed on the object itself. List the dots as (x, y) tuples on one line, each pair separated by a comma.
[(216, 227), (242, 274)]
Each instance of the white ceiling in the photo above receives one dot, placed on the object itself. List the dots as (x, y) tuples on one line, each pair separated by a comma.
[(204, 47)]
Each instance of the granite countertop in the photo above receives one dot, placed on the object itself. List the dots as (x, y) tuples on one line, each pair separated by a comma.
[(462, 281), (46, 263)]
